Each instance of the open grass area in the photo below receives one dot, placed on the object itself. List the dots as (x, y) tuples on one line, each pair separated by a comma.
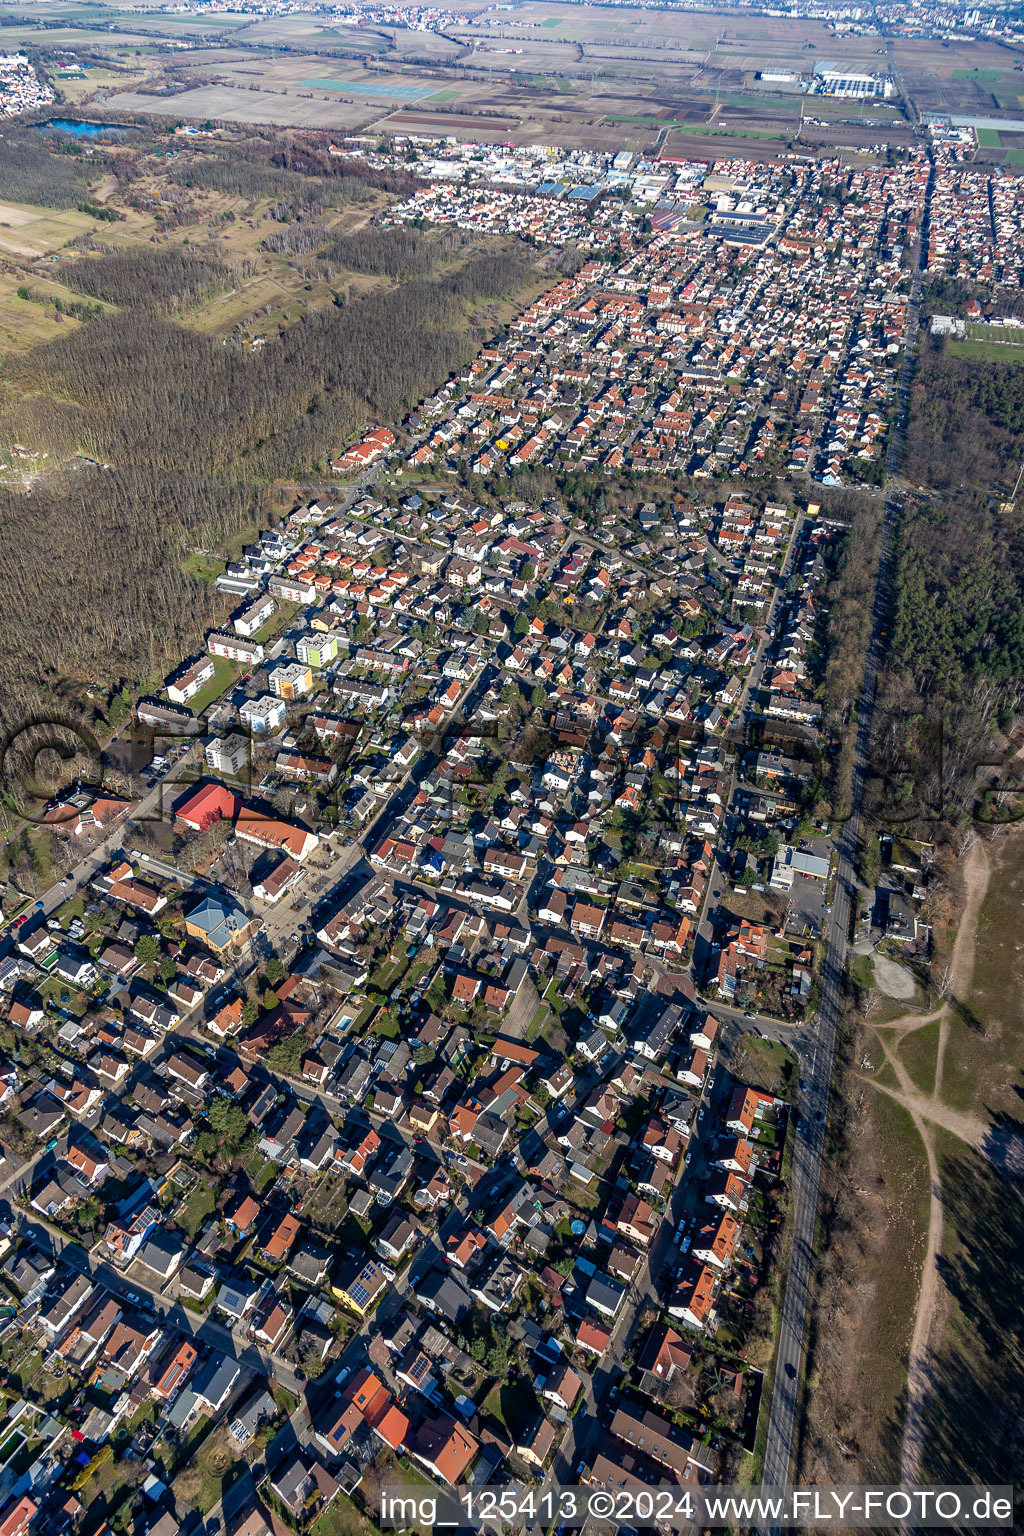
[(62, 995), (341, 1519), (768, 1064), (200, 1204), (28, 229), (536, 1024), (918, 1052), (202, 567), (214, 1468), (980, 76), (871, 1271), (988, 138), (514, 1404), (224, 674), (977, 1355), (886, 1077), (25, 323), (983, 1054), (988, 351)]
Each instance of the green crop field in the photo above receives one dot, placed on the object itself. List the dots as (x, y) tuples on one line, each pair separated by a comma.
[(983, 76), (648, 122), (988, 138), (1014, 157)]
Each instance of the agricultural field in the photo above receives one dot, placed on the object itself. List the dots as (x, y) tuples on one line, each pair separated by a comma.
[(549, 57), (297, 92), (960, 76), (226, 104), (32, 232), (536, 72)]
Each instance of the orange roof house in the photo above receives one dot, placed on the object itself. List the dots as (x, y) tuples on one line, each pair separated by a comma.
[(281, 1239), (208, 805), (445, 1448), (267, 832), (244, 1215)]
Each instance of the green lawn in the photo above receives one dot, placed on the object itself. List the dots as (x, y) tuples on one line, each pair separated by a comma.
[(277, 622), (774, 1062), (988, 351), (71, 909), (200, 1204), (918, 1051), (513, 1404), (213, 1470), (341, 1518), (202, 567), (224, 674), (536, 1023)]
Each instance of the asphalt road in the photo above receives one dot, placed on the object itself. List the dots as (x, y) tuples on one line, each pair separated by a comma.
[(817, 1063)]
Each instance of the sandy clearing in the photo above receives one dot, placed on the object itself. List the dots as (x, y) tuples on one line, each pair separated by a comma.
[(926, 1111), (17, 217), (17, 249), (893, 979)]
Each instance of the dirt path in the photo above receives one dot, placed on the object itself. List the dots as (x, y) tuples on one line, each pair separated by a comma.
[(912, 1450), (927, 1110), (922, 1107)]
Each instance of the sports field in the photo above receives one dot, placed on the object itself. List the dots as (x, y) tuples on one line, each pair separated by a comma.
[(988, 351)]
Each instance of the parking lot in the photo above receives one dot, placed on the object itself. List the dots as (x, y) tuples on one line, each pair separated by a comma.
[(808, 899)]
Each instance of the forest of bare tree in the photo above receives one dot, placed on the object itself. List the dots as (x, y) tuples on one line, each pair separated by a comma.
[(966, 420), (158, 277), (191, 430)]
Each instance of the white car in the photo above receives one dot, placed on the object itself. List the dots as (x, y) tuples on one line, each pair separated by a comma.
[(388, 1273)]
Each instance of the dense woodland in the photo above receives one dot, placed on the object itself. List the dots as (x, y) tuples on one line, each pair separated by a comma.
[(954, 676), (276, 165), (92, 584), (147, 391), (399, 253), (158, 277), (955, 671), (34, 170), (966, 421)]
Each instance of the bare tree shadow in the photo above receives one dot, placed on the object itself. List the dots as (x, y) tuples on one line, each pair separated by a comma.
[(974, 1401)]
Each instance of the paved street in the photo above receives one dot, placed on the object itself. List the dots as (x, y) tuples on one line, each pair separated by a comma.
[(816, 1064)]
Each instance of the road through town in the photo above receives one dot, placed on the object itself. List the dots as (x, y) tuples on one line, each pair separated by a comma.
[(818, 1061)]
